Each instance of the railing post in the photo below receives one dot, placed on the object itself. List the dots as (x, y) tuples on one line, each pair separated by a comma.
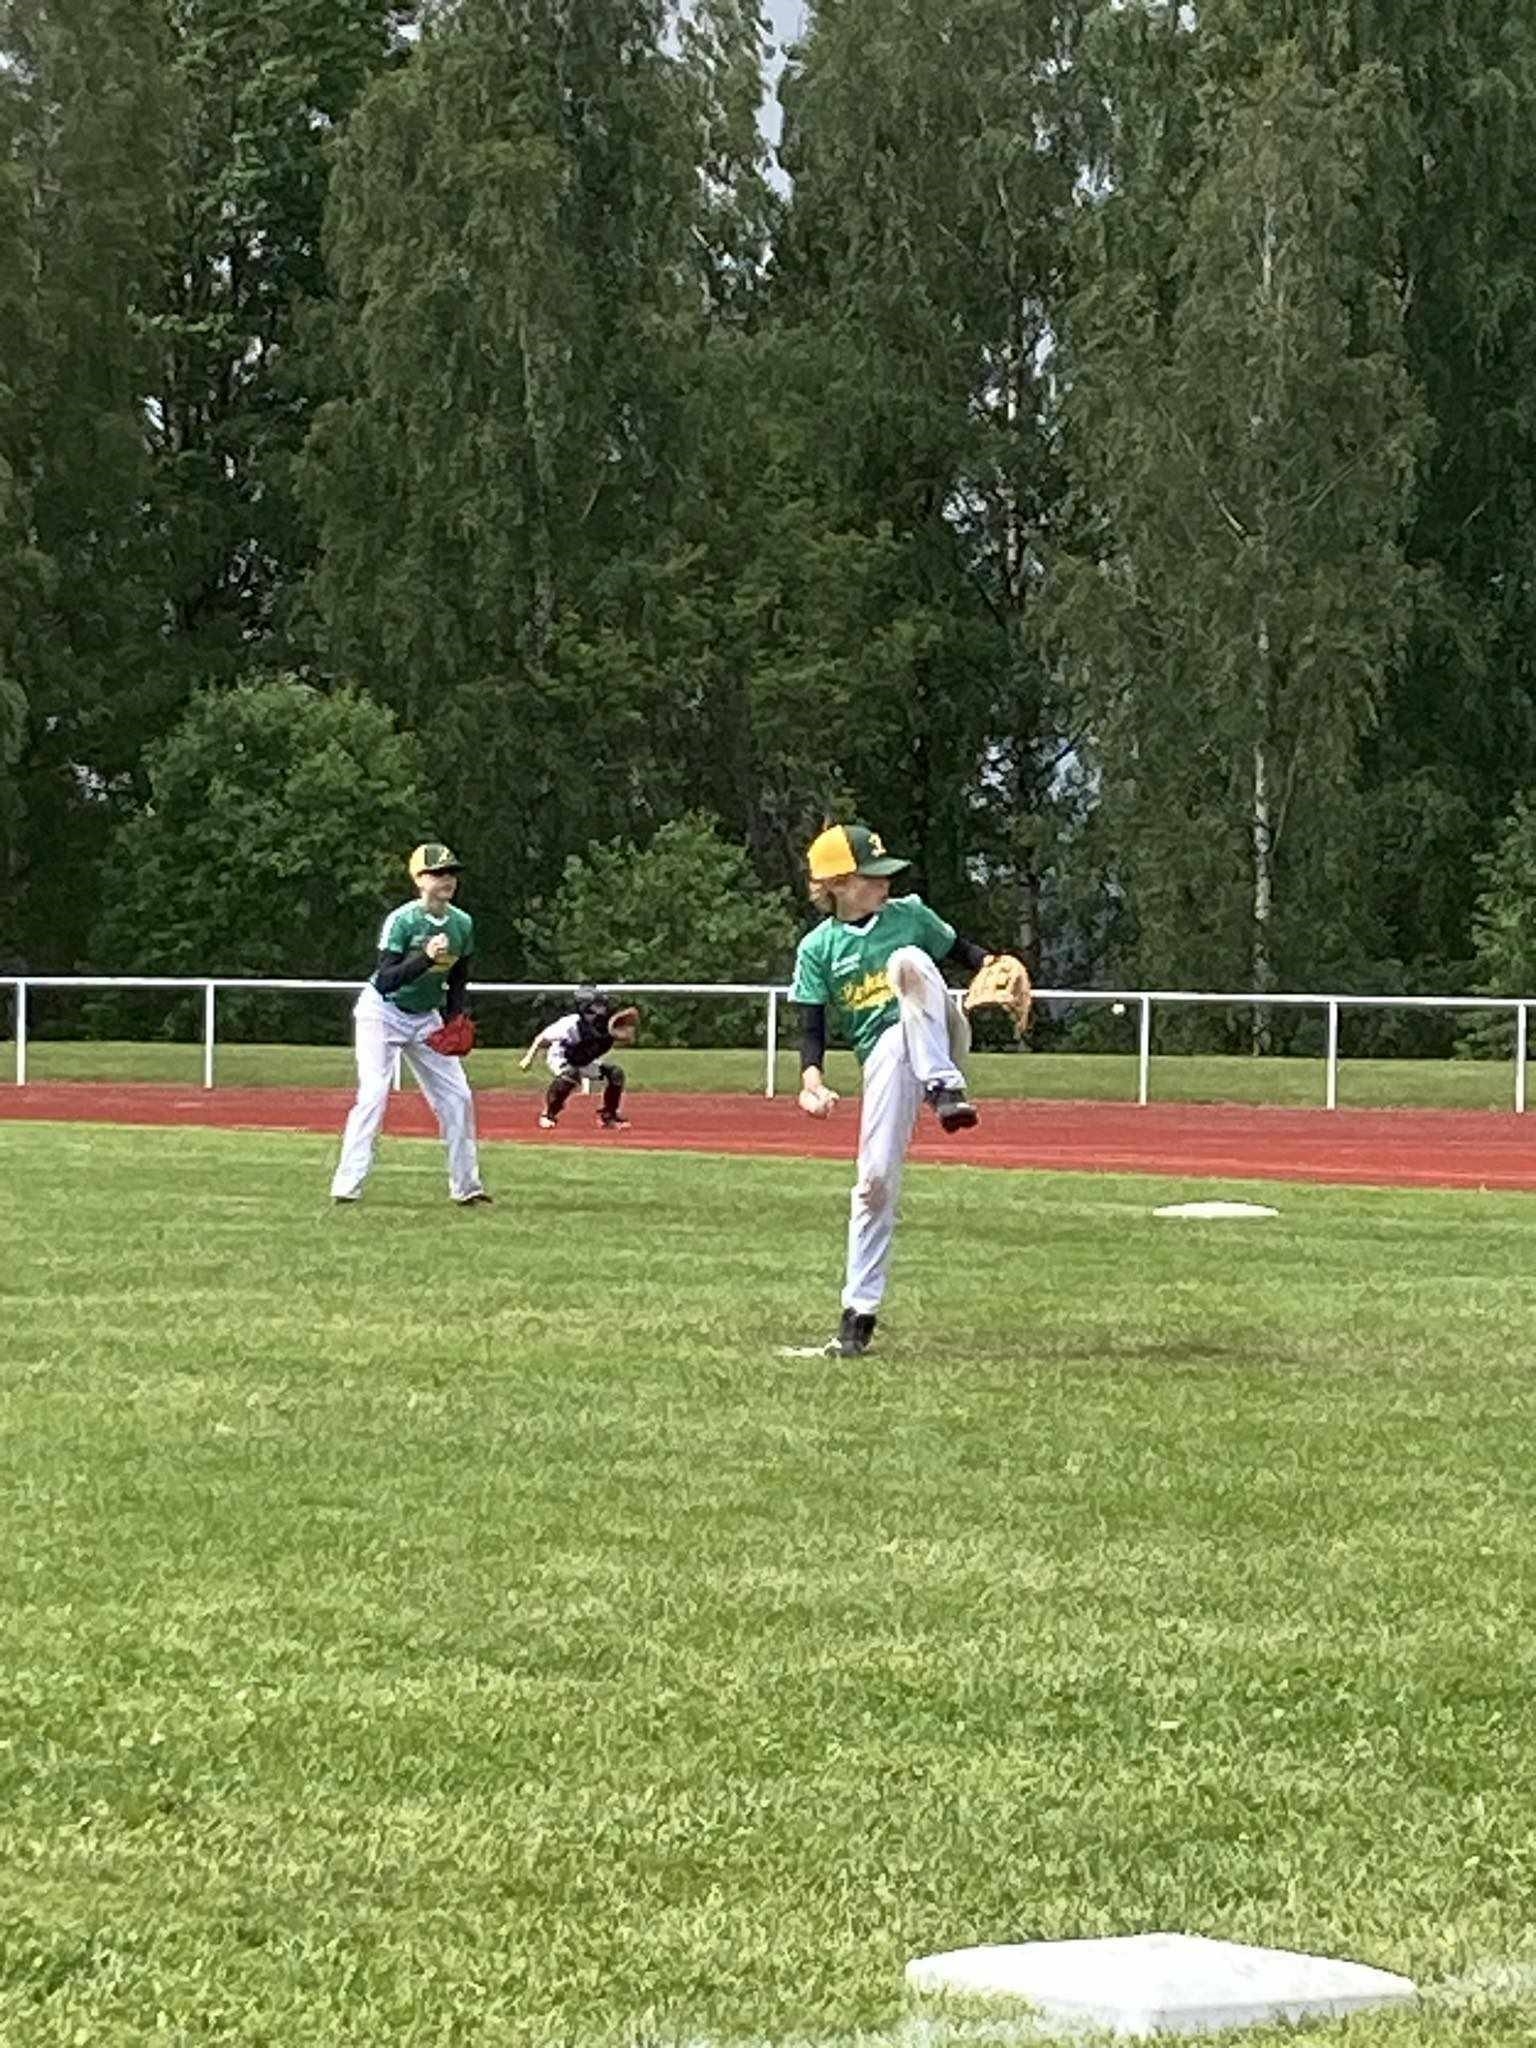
[(1522, 1037), (1144, 1053), (1331, 1091), (208, 1026), (21, 1034), (773, 1043)]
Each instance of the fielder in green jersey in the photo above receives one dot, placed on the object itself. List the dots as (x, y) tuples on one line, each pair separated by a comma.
[(417, 984), (408, 933)]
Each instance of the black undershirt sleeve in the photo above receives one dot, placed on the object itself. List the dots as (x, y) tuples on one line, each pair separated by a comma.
[(967, 954), (813, 1035), (396, 969), (454, 986)]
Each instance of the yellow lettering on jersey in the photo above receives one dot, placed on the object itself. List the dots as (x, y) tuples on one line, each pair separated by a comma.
[(867, 994)]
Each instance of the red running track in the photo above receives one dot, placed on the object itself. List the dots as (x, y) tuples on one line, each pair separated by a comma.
[(1442, 1148)]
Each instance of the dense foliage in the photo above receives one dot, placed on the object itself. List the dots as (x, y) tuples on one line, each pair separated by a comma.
[(1098, 450)]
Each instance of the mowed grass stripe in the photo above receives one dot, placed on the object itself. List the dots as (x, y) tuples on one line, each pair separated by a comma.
[(439, 1627)]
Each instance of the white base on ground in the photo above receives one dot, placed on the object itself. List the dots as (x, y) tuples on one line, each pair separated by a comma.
[(1217, 1212), (802, 1351), (1135, 1986)]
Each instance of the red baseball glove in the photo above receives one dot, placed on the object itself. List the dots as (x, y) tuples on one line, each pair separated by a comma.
[(456, 1036)]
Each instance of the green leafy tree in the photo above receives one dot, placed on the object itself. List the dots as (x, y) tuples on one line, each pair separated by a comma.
[(165, 168), (535, 226), (1245, 421), (1457, 736), (16, 573), (936, 152), (19, 343), (275, 834), (686, 907), (1504, 929), (257, 91), (84, 202), (1448, 204)]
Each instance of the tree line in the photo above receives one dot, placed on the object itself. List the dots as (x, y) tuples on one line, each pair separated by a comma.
[(1099, 452)]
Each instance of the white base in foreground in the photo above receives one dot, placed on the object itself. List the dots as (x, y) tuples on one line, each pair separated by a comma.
[(1219, 1212), (1136, 1985)]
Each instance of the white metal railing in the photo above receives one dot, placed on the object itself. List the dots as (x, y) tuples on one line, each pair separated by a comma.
[(257, 985), (773, 994)]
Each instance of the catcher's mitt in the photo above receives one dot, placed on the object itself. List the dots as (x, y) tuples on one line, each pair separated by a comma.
[(456, 1036), (1003, 982), (624, 1024)]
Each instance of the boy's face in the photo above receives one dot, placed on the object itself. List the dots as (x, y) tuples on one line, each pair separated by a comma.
[(857, 896), (437, 889)]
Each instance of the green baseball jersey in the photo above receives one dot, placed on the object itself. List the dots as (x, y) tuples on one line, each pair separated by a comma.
[(407, 930), (844, 965)]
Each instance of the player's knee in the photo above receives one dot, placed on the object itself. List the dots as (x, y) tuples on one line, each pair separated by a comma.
[(872, 1194), (908, 969), (613, 1075)]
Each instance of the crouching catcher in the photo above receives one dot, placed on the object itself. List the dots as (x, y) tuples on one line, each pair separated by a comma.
[(576, 1048)]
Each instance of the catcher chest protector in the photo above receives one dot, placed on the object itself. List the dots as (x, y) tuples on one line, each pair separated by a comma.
[(593, 1039)]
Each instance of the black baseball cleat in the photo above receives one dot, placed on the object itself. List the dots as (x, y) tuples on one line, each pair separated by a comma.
[(474, 1197), (953, 1108), (610, 1120), (854, 1335)]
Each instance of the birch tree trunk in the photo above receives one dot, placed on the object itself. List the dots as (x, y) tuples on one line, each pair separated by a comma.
[(1263, 836)]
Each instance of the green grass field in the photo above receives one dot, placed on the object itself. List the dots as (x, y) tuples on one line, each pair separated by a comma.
[(1289, 1083), (433, 1627)]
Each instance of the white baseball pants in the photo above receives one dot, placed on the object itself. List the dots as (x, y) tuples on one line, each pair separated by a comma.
[(382, 1030), (921, 1050)]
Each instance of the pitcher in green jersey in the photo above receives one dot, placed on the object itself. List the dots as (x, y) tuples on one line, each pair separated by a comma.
[(418, 982), (873, 962)]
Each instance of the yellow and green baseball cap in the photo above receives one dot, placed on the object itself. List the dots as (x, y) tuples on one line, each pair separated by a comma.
[(433, 858), (851, 850)]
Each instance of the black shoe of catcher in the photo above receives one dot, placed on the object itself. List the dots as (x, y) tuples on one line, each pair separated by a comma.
[(953, 1108), (854, 1335), (610, 1120)]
